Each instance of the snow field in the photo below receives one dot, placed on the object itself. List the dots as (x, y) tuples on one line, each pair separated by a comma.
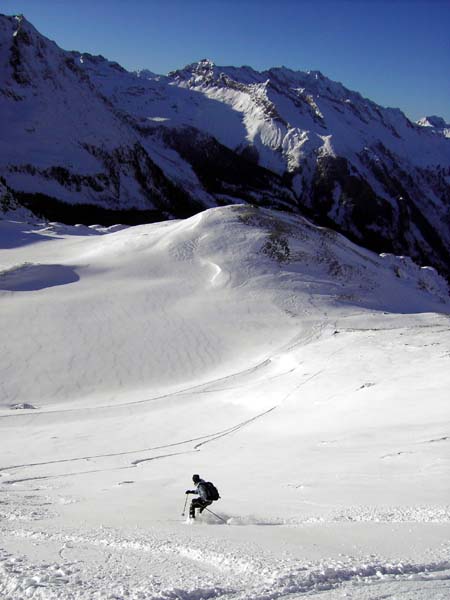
[(180, 566), (303, 375)]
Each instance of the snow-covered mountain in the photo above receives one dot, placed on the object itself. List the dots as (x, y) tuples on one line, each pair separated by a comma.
[(83, 140), (437, 124)]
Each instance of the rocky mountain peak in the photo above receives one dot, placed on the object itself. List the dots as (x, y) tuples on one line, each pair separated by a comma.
[(433, 121), (32, 57), (202, 71), (435, 124)]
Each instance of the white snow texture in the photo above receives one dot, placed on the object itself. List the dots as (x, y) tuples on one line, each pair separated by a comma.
[(306, 377)]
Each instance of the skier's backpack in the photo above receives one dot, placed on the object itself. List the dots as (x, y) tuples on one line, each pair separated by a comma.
[(210, 491)]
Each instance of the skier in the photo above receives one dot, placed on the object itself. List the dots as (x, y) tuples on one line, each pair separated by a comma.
[(207, 493)]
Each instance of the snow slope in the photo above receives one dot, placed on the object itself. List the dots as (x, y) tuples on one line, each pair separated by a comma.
[(305, 376)]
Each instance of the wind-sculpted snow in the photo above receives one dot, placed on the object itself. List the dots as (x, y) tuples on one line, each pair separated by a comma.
[(305, 376), (208, 271)]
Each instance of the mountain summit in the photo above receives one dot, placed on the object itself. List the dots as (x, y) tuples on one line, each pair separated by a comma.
[(84, 140)]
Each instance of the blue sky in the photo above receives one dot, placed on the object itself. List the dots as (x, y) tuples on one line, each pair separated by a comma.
[(396, 52)]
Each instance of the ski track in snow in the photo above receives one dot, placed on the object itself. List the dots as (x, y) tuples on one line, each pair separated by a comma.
[(188, 390), (210, 438)]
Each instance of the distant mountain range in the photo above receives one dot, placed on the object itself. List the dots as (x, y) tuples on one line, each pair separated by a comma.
[(84, 140)]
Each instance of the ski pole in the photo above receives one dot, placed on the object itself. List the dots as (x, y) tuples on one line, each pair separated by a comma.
[(213, 513), (184, 507)]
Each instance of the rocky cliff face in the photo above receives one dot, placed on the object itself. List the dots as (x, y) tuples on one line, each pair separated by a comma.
[(85, 140)]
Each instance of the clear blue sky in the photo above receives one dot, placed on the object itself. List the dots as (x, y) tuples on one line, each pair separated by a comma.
[(396, 52)]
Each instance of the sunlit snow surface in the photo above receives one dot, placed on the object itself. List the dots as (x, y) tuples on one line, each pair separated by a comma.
[(306, 377)]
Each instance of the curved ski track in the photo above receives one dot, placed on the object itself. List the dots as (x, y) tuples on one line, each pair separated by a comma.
[(208, 438)]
